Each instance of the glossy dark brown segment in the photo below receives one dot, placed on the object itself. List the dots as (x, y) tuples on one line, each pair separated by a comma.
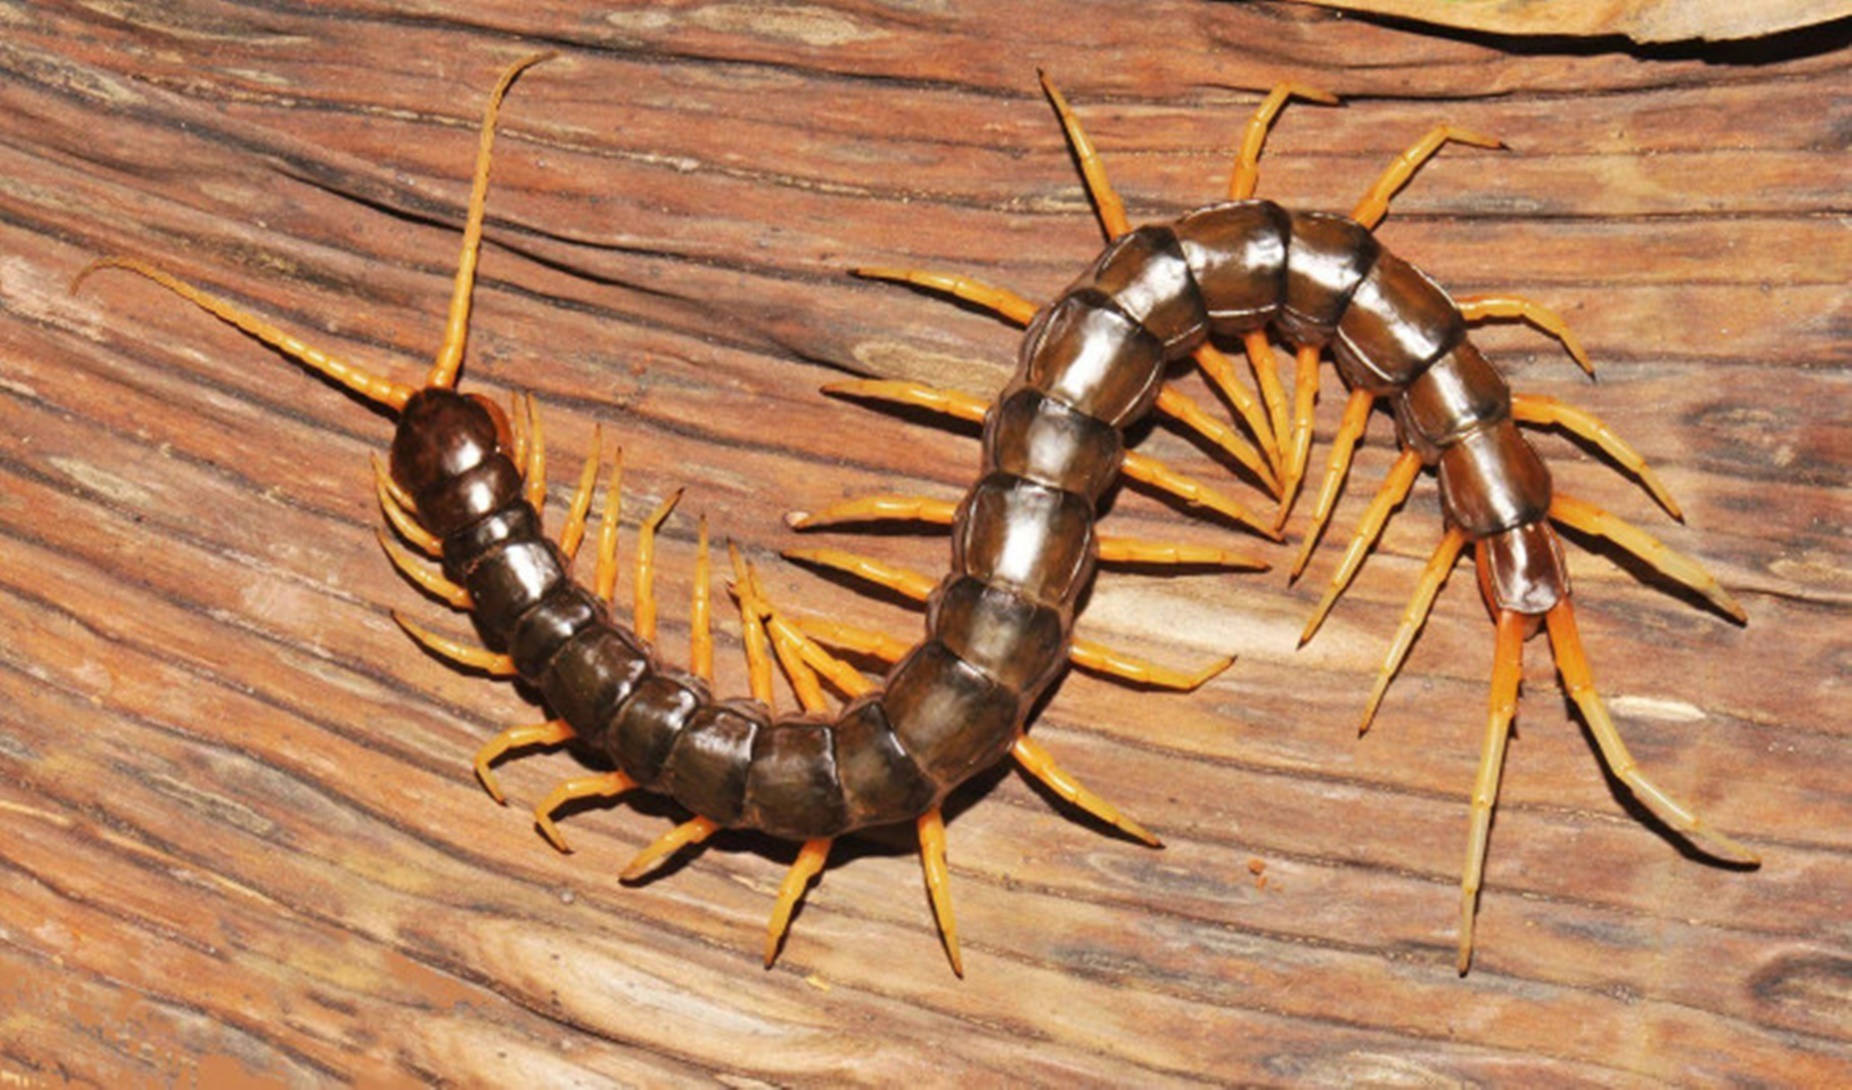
[(1144, 273), (441, 435), (1457, 393), (1031, 435), (881, 784), (1035, 539), (707, 764), (1491, 480), (509, 580), (541, 631), (1236, 252), (1086, 354), (791, 786), (949, 715), (449, 505), (1524, 568), (646, 725), (592, 674), (1019, 642), (465, 547), (1396, 323), (1327, 256)]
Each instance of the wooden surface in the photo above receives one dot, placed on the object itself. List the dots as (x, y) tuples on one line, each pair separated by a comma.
[(241, 839)]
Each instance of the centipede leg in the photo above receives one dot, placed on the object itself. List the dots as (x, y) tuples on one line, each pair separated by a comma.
[(1133, 550), (793, 643), (1350, 429), (1478, 308), (1220, 372), (1148, 470), (950, 402), (999, 300), (1589, 519), (573, 532), (1182, 408), (1394, 490), (810, 860), (931, 828), (1299, 446), (551, 733), (644, 609), (1507, 662), (1246, 174), (397, 506), (864, 641), (604, 579), (535, 474), (911, 584), (752, 636), (886, 507), (785, 644), (1375, 203), (427, 579), (700, 611), (1547, 411), (1036, 761), (1572, 662), (1106, 202), (1267, 377), (1091, 655), (603, 785), (1439, 566), (478, 658), (693, 831)]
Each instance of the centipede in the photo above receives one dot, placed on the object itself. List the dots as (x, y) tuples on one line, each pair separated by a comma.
[(1093, 362)]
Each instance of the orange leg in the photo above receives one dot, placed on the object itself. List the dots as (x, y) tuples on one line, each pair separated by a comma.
[(859, 640), (1299, 446), (1350, 429), (1586, 517), (1390, 496), (535, 474), (912, 584), (1036, 761), (1479, 308), (700, 612), (1246, 174), (810, 860), (794, 643), (950, 402), (645, 608), (603, 785), (605, 579), (752, 633), (1182, 408), (1375, 204), (1000, 300), (931, 828), (692, 831), (1106, 202), (1148, 470), (1267, 376), (573, 532), (1547, 411), (1507, 663), (1440, 565), (551, 733), (1089, 655), (427, 579), (881, 508), (476, 658), (1133, 550), (399, 514), (1221, 374)]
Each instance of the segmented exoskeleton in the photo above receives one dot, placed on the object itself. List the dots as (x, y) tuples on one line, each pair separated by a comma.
[(1093, 362)]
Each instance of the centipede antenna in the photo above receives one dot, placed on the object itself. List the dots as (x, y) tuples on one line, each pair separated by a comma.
[(1220, 371), (476, 658), (456, 327), (604, 580), (1374, 204), (1267, 377), (1337, 467), (1299, 446), (1184, 409), (402, 519), (1589, 519), (692, 831), (573, 532), (1478, 308), (1507, 662), (700, 611), (1115, 549), (375, 388), (644, 611), (931, 827), (1036, 762), (1572, 662), (551, 733), (433, 582), (1001, 301), (1090, 655), (535, 476), (1547, 412), (950, 402), (1148, 470), (1246, 175), (810, 860), (1106, 202), (1388, 497), (886, 507), (602, 786), (1439, 566), (752, 636)]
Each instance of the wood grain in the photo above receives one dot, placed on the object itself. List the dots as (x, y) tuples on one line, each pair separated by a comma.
[(241, 838)]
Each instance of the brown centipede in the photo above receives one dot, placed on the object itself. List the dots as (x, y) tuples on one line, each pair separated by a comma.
[(1093, 361)]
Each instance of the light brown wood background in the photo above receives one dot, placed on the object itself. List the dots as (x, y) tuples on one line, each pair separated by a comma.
[(240, 837)]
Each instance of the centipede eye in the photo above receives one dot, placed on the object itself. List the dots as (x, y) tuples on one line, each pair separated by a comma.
[(504, 435)]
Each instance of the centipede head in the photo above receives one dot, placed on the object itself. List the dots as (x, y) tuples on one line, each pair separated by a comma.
[(442, 435)]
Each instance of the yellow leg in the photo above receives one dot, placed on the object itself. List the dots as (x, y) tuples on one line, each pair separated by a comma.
[(1440, 565), (810, 860), (911, 584), (1506, 669), (700, 612), (1247, 162), (693, 831), (603, 785), (644, 622), (1106, 202), (571, 534), (881, 508), (1572, 661), (1148, 470), (1586, 517), (752, 632), (456, 329), (605, 579), (1375, 204), (1180, 407), (950, 402), (1478, 308), (551, 733), (1547, 411), (1390, 496), (429, 580), (1036, 761), (1090, 655), (535, 487), (400, 517), (1267, 377), (1132, 550), (1221, 373), (477, 658), (1299, 446), (931, 829), (1000, 300), (375, 388), (1350, 429)]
